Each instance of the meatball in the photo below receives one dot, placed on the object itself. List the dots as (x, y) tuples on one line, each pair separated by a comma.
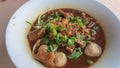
[(60, 59), (93, 50)]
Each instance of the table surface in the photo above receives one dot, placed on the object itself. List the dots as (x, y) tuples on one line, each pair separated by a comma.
[(8, 7)]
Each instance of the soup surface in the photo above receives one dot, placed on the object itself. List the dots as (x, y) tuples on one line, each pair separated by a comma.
[(66, 38)]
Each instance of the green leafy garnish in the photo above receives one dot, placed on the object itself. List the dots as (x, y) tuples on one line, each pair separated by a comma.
[(93, 32), (85, 42), (28, 23), (71, 41), (88, 37), (52, 47), (76, 20), (47, 27), (41, 22), (90, 62), (64, 38), (55, 19), (76, 53), (80, 36), (60, 28), (95, 27), (53, 33), (57, 39), (54, 16), (86, 22), (43, 16)]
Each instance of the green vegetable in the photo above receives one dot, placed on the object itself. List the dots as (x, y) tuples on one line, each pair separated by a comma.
[(93, 32), (37, 26), (90, 62), (57, 14), (53, 33), (47, 27), (85, 42), (57, 39), (51, 29), (64, 38), (41, 22), (52, 26), (77, 20), (88, 37), (80, 36), (80, 22), (28, 23), (69, 18), (52, 47), (72, 20), (86, 22), (54, 16), (58, 27), (76, 53), (43, 16), (71, 41), (95, 27), (55, 19)]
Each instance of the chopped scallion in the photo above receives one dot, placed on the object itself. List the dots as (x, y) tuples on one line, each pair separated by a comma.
[(80, 36), (52, 48), (64, 38), (90, 62), (95, 27), (76, 53), (28, 23), (71, 41)]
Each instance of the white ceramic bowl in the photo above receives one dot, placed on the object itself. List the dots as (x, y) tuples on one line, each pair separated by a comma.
[(16, 33)]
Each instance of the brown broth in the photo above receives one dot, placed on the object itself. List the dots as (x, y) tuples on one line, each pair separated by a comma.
[(81, 62)]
